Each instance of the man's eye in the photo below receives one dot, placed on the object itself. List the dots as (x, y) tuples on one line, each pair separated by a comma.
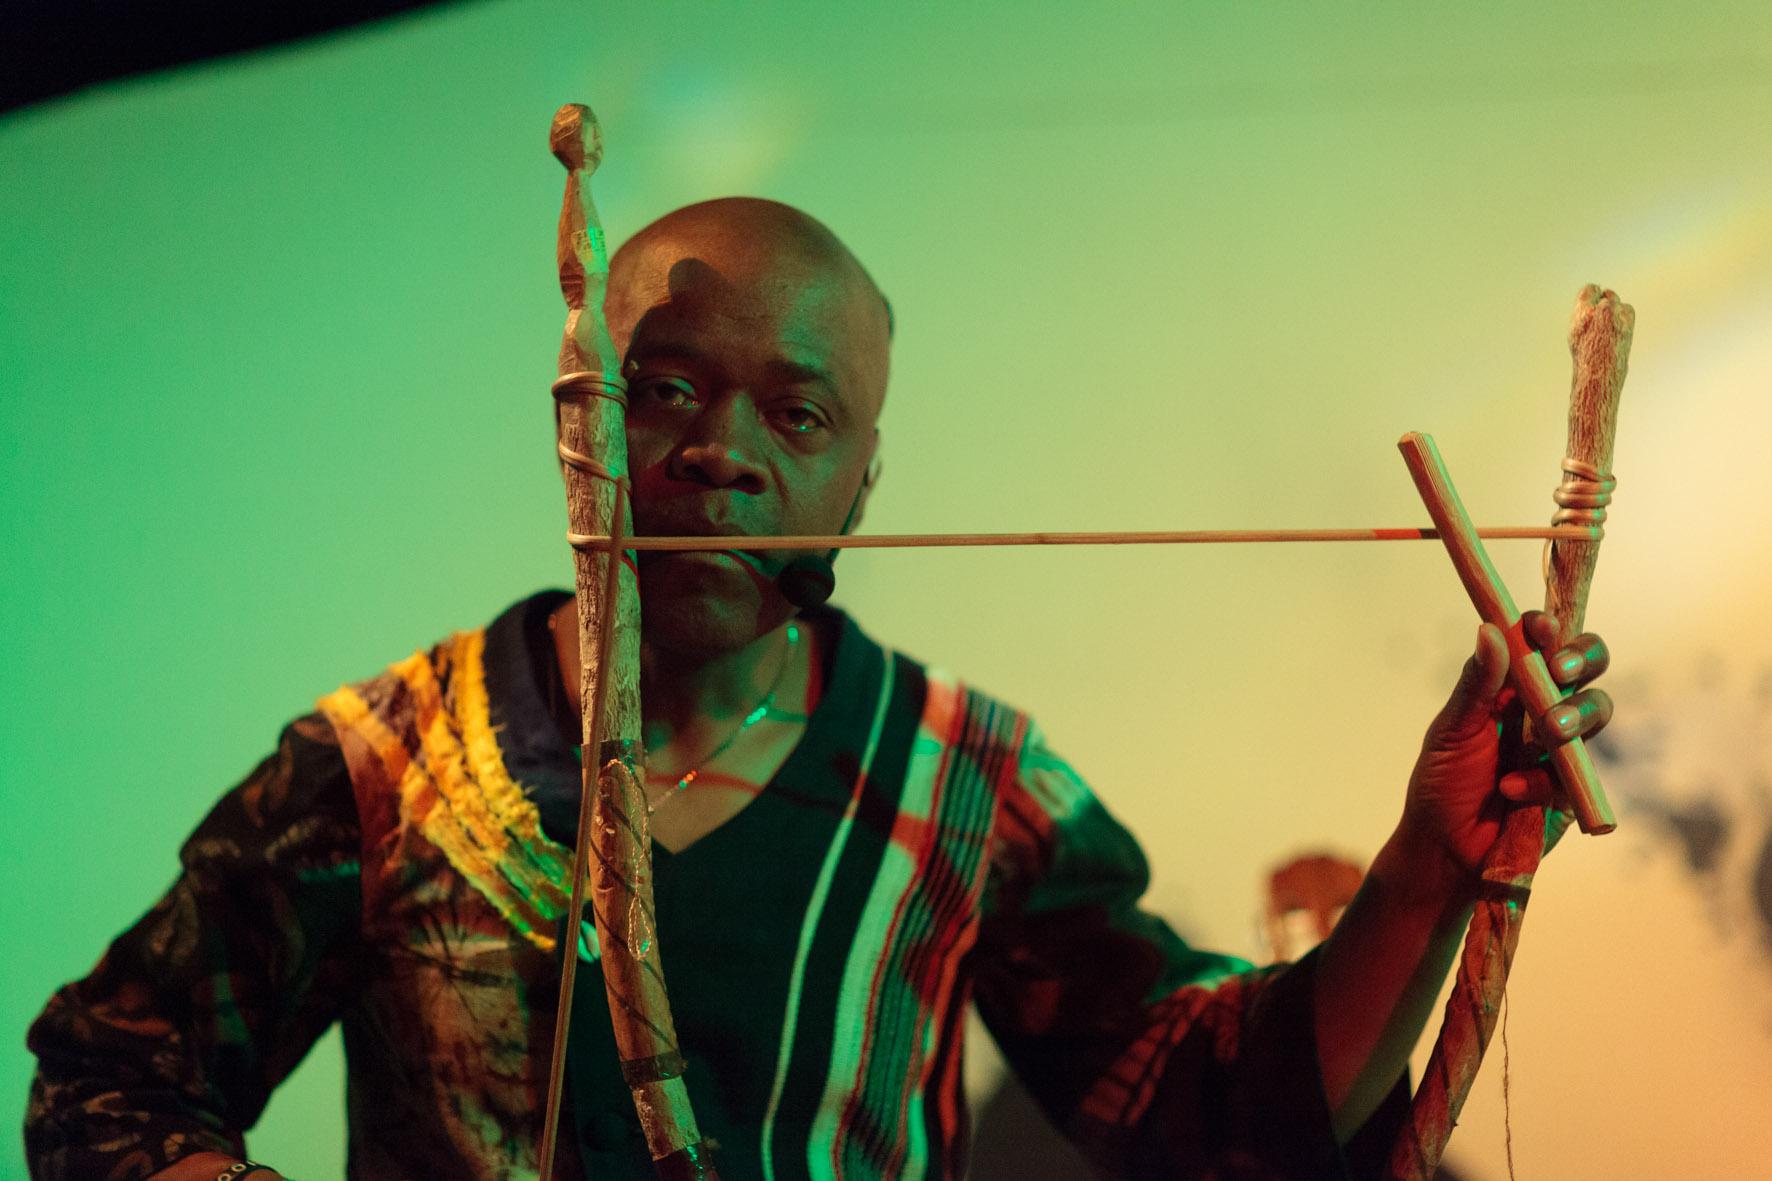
[(798, 418), (666, 391)]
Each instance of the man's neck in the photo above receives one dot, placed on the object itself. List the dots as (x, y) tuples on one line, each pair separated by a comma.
[(688, 700)]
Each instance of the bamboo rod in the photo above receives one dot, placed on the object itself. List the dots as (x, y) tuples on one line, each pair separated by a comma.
[(598, 541)]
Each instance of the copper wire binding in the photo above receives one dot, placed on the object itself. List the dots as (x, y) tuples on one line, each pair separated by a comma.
[(1581, 499), (582, 386)]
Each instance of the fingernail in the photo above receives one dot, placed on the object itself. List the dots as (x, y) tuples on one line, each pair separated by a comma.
[(1566, 719), (1568, 664)]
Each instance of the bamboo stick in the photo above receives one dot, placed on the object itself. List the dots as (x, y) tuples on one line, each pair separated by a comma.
[(815, 541)]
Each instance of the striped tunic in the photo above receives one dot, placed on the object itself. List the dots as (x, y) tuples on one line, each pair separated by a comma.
[(400, 866)]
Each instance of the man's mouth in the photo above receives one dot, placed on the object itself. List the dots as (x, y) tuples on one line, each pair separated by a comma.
[(758, 563), (689, 527)]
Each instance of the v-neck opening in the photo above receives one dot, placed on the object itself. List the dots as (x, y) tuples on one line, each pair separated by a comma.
[(519, 655)]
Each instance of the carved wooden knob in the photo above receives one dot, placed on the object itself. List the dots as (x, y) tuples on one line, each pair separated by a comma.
[(575, 139)]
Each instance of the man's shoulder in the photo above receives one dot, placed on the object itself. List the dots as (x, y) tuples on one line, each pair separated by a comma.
[(442, 669)]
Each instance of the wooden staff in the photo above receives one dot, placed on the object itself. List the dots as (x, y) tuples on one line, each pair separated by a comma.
[(1599, 342), (613, 842)]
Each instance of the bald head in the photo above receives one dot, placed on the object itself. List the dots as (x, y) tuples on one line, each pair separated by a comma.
[(755, 348), (760, 262)]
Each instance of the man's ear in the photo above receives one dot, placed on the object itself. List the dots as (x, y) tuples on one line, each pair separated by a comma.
[(869, 477)]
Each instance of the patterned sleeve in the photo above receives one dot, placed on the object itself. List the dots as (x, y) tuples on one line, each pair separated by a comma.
[(173, 1044), (1155, 1058)]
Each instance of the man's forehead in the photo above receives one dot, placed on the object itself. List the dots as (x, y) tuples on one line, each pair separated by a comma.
[(735, 279), (784, 362), (738, 225), (739, 243), (756, 266), (795, 331)]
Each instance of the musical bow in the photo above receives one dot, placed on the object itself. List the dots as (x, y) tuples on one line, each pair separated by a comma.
[(614, 846)]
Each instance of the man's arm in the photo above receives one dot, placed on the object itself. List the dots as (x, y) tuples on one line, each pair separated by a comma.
[(1155, 1058), (170, 1048), (1377, 977), (1381, 968)]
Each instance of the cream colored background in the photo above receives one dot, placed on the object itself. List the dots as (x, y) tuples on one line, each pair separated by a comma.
[(275, 336)]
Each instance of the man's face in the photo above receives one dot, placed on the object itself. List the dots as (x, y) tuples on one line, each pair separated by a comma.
[(755, 373)]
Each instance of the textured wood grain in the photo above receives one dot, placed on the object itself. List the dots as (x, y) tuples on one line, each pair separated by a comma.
[(613, 846), (1599, 345)]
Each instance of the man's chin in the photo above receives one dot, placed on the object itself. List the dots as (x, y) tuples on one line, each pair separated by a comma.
[(703, 604)]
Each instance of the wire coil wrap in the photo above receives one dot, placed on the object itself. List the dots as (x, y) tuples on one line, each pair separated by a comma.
[(1583, 495), (1581, 499), (582, 386)]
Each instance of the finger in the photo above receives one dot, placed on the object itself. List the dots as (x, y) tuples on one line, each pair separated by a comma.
[(1582, 659), (1529, 785), (1472, 703), (1577, 716), (1542, 630)]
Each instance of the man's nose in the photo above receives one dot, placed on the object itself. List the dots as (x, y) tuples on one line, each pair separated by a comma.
[(720, 448)]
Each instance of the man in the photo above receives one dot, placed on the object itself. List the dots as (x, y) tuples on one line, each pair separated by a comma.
[(851, 848)]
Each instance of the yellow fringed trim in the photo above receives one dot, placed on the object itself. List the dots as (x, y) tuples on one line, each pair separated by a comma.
[(458, 792), (445, 759), (473, 713), (349, 713), (504, 797)]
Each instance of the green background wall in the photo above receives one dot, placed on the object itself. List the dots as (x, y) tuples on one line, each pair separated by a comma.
[(275, 338)]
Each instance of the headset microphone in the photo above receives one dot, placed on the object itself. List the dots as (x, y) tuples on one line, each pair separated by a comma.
[(809, 579)]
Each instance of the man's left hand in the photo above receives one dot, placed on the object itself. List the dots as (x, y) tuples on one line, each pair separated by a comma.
[(1479, 760)]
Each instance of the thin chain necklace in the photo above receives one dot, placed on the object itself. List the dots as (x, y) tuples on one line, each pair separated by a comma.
[(762, 710)]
